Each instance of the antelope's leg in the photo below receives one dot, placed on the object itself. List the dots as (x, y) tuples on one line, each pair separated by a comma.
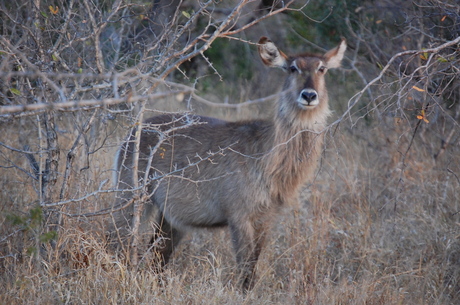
[(247, 247), (165, 239)]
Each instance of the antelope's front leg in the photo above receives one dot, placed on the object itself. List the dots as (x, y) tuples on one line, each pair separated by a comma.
[(247, 242)]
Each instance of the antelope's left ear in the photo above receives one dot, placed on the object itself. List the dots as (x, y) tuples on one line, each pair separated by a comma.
[(334, 57)]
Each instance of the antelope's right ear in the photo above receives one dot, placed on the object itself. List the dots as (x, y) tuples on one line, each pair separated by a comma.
[(271, 56)]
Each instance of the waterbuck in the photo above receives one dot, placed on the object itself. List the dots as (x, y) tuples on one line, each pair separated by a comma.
[(206, 172)]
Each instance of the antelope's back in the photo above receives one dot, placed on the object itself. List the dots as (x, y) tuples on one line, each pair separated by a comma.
[(204, 169)]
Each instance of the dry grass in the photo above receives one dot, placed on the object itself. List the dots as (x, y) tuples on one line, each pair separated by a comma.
[(370, 230)]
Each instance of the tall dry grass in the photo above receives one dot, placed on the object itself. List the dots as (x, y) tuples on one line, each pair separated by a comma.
[(377, 226)]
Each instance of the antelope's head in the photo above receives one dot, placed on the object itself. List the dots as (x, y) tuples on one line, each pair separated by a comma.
[(305, 85)]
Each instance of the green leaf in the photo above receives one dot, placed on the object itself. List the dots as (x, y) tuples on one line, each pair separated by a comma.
[(15, 91), (44, 14), (48, 236), (54, 57), (36, 217), (31, 250), (186, 15), (80, 71), (16, 220)]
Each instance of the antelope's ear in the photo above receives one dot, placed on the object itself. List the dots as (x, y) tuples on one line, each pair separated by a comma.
[(271, 56), (334, 57)]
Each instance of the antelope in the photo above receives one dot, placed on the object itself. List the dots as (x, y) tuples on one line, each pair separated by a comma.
[(216, 173)]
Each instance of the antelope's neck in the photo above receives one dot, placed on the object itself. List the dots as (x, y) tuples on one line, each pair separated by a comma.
[(296, 151)]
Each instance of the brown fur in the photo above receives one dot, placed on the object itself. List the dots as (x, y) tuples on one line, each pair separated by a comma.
[(236, 174)]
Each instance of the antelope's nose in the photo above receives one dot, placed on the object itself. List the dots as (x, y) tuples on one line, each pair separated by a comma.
[(309, 95)]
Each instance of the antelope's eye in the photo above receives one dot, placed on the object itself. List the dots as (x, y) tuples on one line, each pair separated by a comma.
[(293, 69), (322, 69)]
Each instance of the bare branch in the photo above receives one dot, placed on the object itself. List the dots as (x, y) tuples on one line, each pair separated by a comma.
[(82, 104), (356, 98)]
